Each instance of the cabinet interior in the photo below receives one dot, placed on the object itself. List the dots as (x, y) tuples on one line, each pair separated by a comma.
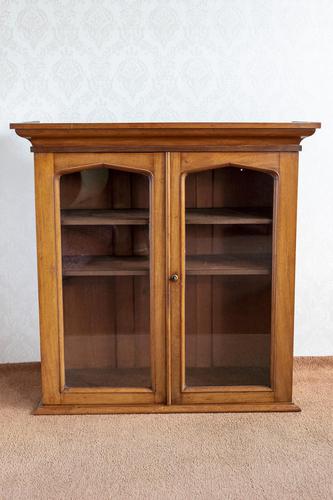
[(105, 226), (106, 278), (228, 300)]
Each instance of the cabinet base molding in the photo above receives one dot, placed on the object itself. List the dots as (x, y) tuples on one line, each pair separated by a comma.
[(109, 409)]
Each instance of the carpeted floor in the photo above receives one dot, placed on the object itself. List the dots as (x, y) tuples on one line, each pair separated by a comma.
[(201, 456)]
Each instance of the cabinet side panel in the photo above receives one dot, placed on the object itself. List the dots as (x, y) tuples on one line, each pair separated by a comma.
[(285, 276), (47, 276)]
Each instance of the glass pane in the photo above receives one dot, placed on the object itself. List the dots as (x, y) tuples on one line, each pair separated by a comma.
[(106, 297), (228, 277)]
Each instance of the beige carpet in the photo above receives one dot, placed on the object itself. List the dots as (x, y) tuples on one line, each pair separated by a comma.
[(227, 456)]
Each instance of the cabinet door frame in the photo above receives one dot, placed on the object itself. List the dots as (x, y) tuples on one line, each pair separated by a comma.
[(48, 169), (285, 168)]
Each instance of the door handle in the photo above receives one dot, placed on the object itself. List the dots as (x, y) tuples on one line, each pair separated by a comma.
[(174, 277)]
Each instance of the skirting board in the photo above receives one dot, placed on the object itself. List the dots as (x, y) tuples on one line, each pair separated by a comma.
[(212, 408)]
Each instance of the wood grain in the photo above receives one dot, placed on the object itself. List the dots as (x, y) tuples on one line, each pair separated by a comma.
[(81, 409), (177, 289), (223, 186), (227, 265), (140, 217), (48, 279), (284, 287), (227, 215), (116, 217), (131, 217), (205, 265), (106, 266), (120, 338), (155, 137)]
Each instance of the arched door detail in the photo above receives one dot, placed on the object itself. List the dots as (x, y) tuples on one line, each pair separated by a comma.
[(110, 219), (228, 277), (226, 229)]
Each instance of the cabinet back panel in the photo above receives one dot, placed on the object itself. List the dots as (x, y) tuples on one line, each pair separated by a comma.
[(104, 188), (229, 187), (106, 318), (106, 322), (228, 310)]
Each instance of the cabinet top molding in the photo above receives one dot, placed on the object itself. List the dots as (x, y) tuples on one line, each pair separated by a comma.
[(154, 137)]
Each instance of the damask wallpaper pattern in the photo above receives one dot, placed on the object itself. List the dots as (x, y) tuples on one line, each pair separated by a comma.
[(156, 60)]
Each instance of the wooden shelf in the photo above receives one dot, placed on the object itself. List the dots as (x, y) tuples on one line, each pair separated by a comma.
[(141, 377), (109, 377), (105, 266), (135, 217), (228, 216), (227, 376), (139, 266), (228, 265)]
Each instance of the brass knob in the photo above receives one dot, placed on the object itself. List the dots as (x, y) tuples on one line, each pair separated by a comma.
[(174, 277)]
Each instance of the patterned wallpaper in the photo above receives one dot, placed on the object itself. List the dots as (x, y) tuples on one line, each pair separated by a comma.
[(157, 60)]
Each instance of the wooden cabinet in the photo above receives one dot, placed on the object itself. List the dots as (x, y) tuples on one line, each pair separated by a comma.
[(166, 260)]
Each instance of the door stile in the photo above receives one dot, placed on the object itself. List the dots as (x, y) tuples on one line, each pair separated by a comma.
[(158, 294), (48, 279), (176, 288), (168, 338), (285, 276), (57, 220), (274, 275)]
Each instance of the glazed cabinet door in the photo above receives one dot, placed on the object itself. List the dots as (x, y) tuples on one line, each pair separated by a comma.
[(101, 220), (232, 237)]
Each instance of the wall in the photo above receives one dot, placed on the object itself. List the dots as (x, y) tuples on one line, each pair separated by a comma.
[(155, 60)]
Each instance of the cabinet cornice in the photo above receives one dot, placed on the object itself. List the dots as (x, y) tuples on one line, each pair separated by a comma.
[(159, 137)]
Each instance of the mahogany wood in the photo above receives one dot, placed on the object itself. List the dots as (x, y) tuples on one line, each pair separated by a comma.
[(206, 265), (105, 266), (122, 207), (118, 217), (99, 137), (140, 217), (205, 408)]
